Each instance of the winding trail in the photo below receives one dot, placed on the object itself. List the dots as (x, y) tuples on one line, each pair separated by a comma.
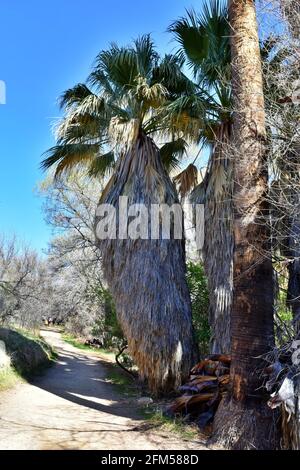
[(71, 406)]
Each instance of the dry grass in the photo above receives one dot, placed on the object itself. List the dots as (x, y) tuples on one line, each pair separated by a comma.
[(8, 378)]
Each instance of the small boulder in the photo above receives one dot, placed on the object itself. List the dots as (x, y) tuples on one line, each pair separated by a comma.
[(145, 401), (4, 357)]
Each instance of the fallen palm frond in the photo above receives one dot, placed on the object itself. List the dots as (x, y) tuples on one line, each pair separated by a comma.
[(283, 384), (208, 382)]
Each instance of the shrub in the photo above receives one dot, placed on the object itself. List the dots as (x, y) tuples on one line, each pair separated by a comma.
[(107, 327), (197, 283)]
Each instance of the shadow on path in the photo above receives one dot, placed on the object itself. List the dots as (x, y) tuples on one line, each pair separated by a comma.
[(81, 379)]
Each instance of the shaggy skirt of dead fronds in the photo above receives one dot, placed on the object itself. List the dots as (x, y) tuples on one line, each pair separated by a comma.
[(215, 192), (147, 277)]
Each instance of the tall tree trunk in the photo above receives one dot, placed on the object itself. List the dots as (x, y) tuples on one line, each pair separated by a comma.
[(246, 422), (147, 277)]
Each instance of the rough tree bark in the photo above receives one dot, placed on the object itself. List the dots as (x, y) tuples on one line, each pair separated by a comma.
[(244, 421)]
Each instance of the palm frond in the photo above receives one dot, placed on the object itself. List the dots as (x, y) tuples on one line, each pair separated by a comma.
[(72, 129), (204, 41), (119, 64), (91, 104), (169, 73), (132, 93), (146, 55), (67, 157), (100, 81), (101, 164), (187, 180), (74, 96), (172, 152), (191, 38), (186, 115), (151, 96)]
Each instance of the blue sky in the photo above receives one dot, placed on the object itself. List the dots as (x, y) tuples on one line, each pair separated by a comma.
[(46, 47)]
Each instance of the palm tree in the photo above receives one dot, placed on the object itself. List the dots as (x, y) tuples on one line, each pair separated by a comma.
[(111, 126), (246, 422), (204, 45)]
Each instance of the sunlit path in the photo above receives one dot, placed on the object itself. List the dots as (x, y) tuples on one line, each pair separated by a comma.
[(72, 407)]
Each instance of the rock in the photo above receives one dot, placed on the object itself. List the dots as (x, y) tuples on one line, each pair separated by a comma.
[(4, 357), (285, 395), (145, 401)]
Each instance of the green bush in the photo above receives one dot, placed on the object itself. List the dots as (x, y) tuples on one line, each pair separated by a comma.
[(107, 327), (197, 283), (283, 316)]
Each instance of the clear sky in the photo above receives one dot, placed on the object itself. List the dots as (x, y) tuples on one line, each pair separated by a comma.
[(46, 47)]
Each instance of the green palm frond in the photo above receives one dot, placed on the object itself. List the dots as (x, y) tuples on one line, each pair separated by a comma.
[(74, 96), (100, 81), (131, 92), (68, 156), (169, 73), (92, 104), (146, 56), (172, 152), (204, 41), (102, 164), (191, 38), (119, 64), (195, 105), (186, 115)]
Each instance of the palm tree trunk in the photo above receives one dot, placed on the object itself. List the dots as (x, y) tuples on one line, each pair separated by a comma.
[(147, 277), (246, 421), (218, 243)]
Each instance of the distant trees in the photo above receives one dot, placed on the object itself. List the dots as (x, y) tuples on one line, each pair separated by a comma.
[(21, 279), (65, 286), (79, 296)]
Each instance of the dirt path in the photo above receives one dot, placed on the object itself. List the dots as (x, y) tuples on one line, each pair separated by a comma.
[(72, 407)]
